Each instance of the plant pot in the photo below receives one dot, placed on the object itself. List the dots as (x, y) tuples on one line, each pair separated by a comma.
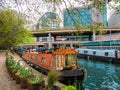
[(17, 79), (42, 85), (33, 86), (44, 89), (13, 75), (54, 88), (9, 70), (36, 86), (23, 83)]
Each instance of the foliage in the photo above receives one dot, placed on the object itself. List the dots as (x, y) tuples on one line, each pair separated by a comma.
[(16, 68), (36, 79), (12, 28), (67, 68), (53, 76), (96, 27), (12, 64), (9, 61), (2, 51), (55, 1), (98, 4), (69, 88), (25, 73)]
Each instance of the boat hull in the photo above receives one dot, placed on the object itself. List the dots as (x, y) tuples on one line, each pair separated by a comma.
[(66, 76), (111, 56), (72, 76), (100, 58)]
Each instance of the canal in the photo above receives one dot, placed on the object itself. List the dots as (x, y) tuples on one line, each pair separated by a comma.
[(100, 75)]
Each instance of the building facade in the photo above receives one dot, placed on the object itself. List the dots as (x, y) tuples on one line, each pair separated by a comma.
[(114, 19), (77, 17), (84, 17), (49, 20)]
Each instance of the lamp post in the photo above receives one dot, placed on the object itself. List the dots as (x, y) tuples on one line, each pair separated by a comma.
[(50, 41), (110, 39)]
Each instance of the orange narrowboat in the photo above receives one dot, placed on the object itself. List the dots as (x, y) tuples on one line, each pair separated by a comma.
[(63, 60)]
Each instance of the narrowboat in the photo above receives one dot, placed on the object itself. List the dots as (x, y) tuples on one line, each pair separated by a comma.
[(112, 56), (63, 60)]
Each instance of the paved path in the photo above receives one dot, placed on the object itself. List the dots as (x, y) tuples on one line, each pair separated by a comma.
[(6, 82)]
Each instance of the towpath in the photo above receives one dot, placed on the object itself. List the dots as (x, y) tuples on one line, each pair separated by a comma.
[(6, 82)]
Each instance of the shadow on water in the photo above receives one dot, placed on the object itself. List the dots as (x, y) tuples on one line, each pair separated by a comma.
[(101, 75)]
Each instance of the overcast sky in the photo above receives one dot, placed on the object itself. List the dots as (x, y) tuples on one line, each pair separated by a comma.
[(34, 9)]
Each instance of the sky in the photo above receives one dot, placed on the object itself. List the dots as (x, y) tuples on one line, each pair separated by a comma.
[(34, 9)]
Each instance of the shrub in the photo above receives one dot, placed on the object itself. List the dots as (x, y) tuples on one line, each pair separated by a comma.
[(69, 88), (16, 68), (36, 79), (53, 76), (25, 73), (10, 62)]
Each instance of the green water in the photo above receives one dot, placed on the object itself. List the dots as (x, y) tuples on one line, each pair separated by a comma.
[(100, 75)]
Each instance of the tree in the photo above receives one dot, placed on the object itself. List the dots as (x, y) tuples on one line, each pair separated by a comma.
[(12, 29)]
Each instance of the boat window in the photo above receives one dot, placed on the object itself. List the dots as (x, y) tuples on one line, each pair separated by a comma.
[(31, 56), (43, 60), (85, 52), (58, 62), (28, 55), (77, 50), (36, 58), (106, 54), (70, 60), (94, 52)]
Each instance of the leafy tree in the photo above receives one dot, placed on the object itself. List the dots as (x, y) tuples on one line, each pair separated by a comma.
[(12, 29), (56, 1)]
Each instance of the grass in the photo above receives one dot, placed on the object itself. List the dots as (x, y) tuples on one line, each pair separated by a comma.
[(2, 51)]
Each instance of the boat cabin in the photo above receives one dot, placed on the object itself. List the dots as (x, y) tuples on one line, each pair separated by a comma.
[(61, 59), (64, 59)]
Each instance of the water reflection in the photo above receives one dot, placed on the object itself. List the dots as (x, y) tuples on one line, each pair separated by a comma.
[(101, 76)]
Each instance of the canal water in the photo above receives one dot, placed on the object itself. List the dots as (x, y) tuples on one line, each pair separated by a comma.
[(100, 75)]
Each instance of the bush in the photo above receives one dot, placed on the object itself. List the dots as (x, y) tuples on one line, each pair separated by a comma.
[(16, 68), (36, 79), (69, 88), (25, 73), (10, 62), (53, 76)]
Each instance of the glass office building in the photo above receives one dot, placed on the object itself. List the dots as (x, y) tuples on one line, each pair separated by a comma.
[(84, 17), (77, 17), (48, 20)]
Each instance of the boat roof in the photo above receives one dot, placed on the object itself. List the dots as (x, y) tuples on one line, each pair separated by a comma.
[(97, 49), (65, 51)]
